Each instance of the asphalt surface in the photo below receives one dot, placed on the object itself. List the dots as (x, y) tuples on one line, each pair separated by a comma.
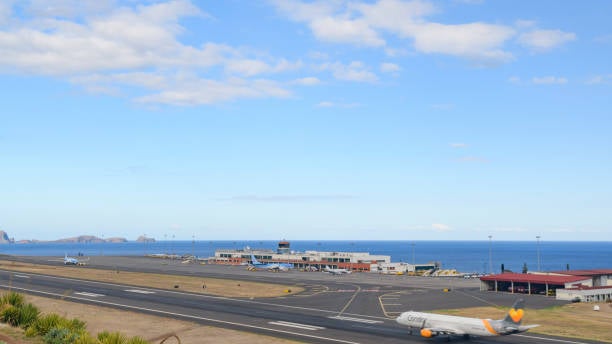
[(354, 308)]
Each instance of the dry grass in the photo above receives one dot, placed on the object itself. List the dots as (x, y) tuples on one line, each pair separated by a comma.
[(577, 320), (152, 328), (210, 286)]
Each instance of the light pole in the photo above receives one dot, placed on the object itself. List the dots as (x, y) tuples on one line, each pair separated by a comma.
[(538, 250), (172, 247), (490, 254), (193, 246)]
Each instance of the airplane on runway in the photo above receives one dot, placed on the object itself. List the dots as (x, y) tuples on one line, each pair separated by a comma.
[(269, 266), (73, 261), (431, 325), (336, 271)]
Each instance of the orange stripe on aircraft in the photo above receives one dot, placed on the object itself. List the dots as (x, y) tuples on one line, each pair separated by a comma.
[(488, 326)]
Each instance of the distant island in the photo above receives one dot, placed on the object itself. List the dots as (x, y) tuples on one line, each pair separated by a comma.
[(5, 239), (143, 238)]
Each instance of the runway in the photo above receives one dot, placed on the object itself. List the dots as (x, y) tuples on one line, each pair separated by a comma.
[(357, 308)]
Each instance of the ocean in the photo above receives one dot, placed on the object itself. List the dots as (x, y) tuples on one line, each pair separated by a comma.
[(464, 256)]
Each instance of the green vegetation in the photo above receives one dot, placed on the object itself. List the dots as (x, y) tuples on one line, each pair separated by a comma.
[(52, 328)]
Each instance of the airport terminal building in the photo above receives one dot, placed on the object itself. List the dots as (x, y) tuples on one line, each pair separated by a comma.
[(572, 285), (354, 261)]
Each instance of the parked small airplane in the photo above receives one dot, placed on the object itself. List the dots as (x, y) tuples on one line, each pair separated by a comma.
[(431, 325), (73, 261), (269, 266), (336, 271)]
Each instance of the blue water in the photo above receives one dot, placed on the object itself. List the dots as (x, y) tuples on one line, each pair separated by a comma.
[(465, 256)]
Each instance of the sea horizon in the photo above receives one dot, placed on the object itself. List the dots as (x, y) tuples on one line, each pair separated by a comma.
[(463, 255)]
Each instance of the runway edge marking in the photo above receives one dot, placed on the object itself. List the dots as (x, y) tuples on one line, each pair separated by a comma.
[(183, 315)]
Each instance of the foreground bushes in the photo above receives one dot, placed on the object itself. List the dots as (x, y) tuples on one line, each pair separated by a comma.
[(54, 329)]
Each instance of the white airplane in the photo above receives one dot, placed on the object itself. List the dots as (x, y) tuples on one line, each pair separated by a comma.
[(255, 264), (431, 325), (73, 261), (336, 271)]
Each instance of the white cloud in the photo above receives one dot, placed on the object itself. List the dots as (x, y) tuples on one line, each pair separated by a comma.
[(204, 92), (544, 40), (307, 81), (337, 30), (470, 2), (459, 145), (600, 79), (549, 80), (329, 104), (603, 39), (478, 41), (105, 48), (68, 8), (354, 71), (252, 67), (360, 23), (439, 227), (514, 79), (387, 67), (369, 24), (6, 10), (473, 159)]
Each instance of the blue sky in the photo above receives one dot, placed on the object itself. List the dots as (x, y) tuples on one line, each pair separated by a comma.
[(347, 120)]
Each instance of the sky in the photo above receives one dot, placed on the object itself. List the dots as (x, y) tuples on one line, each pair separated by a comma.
[(294, 119)]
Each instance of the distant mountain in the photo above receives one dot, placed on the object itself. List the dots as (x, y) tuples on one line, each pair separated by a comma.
[(4, 239), (89, 239)]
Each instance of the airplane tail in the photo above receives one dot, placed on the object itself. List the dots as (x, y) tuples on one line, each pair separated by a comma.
[(254, 260), (515, 314)]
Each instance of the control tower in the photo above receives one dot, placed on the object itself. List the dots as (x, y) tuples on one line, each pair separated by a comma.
[(283, 247)]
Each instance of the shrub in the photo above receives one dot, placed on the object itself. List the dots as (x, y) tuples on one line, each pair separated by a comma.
[(10, 315), (106, 337), (44, 324), (27, 315), (59, 336), (137, 340), (12, 298), (85, 338)]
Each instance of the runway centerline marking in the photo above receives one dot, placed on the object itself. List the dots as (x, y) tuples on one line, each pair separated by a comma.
[(188, 316), (366, 321), (21, 276), (84, 293), (296, 325), (139, 291), (549, 339), (203, 296)]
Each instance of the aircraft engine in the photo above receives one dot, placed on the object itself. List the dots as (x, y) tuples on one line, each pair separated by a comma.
[(427, 333)]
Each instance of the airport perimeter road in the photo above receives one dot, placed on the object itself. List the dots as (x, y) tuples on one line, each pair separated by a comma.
[(320, 318)]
